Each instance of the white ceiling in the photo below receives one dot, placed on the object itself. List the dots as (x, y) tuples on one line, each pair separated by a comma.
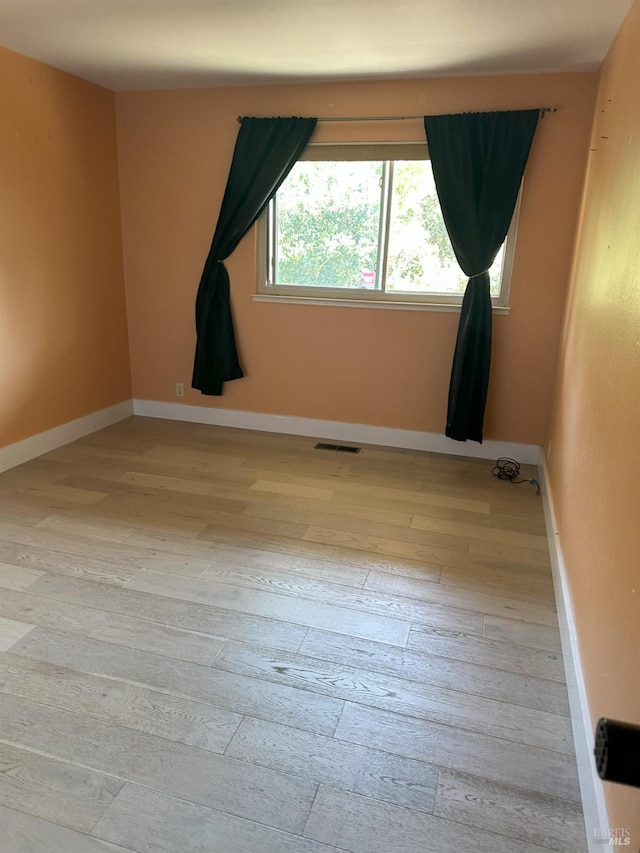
[(153, 44)]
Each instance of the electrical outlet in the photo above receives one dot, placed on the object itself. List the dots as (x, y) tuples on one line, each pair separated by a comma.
[(179, 389)]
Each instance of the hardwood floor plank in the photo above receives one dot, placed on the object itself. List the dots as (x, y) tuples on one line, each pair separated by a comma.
[(524, 633), (522, 766), (236, 479), (420, 498), (222, 689), (535, 726), (516, 814), (336, 554), (71, 537), (347, 766), (209, 507), (156, 823), (500, 579), (163, 498), (533, 523), (271, 605), (33, 472), (16, 509), (376, 544), (189, 645), (225, 555), (361, 825), (506, 551), (292, 489), (472, 565), (29, 507), (121, 703), (369, 601), (492, 603), (506, 655), (17, 577), (279, 505), (365, 473), (245, 790), (153, 608), (44, 560), (95, 474), (160, 639), (158, 481), (67, 494), (304, 469), (54, 790), (364, 527), (24, 833), (188, 458), (139, 515), (305, 461), (445, 671), (484, 531), (108, 530), (245, 523), (45, 613), (12, 631), (503, 503)]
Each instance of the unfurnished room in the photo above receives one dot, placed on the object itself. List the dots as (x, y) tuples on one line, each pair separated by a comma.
[(320, 376)]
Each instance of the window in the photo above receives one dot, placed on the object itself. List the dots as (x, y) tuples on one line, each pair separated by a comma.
[(364, 222)]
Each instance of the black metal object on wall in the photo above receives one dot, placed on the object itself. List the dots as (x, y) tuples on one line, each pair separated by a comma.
[(617, 752)]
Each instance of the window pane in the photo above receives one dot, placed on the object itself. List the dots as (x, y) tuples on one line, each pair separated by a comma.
[(327, 230), (496, 272), (420, 258), (328, 221)]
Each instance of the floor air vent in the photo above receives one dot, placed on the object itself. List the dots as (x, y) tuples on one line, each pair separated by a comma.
[(339, 448)]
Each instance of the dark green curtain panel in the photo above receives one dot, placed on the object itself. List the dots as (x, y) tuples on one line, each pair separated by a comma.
[(478, 160), (266, 151)]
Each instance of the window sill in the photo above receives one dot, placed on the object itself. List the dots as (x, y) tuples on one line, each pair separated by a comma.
[(447, 307)]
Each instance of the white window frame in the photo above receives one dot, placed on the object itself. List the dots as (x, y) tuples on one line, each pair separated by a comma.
[(269, 290)]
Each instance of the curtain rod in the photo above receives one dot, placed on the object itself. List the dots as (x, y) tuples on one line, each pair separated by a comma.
[(412, 118), (543, 111)]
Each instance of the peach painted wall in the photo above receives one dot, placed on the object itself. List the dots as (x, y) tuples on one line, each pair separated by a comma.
[(63, 335), (594, 463), (383, 367)]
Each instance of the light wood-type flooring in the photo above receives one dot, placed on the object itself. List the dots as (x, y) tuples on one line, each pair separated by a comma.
[(219, 641)]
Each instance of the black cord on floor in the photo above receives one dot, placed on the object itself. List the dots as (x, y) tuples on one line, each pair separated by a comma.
[(509, 469)]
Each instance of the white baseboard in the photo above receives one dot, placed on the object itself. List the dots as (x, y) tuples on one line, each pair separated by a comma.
[(43, 442), (337, 430), (591, 790), (431, 442)]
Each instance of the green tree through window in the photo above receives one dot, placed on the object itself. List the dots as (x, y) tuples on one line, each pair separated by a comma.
[(363, 225)]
